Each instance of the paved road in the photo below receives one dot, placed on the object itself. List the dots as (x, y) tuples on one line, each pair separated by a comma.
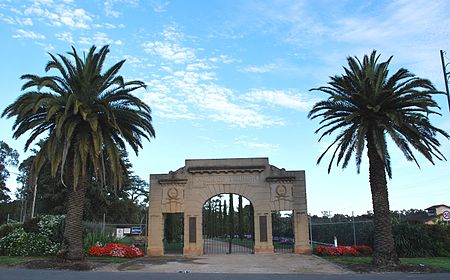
[(29, 274)]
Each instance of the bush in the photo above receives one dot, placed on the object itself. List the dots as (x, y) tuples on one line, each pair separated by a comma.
[(102, 239), (419, 240), (21, 243), (52, 226), (8, 228), (336, 251), (115, 250), (363, 250)]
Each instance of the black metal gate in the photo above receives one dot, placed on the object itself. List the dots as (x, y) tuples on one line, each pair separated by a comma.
[(173, 233), (283, 231), (227, 230)]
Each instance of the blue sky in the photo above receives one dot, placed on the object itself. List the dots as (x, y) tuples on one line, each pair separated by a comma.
[(232, 78)]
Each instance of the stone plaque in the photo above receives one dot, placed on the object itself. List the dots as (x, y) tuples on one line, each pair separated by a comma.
[(192, 230), (263, 228)]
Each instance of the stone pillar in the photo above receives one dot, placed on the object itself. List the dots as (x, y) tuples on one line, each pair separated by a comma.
[(301, 231), (263, 233), (193, 240), (155, 235)]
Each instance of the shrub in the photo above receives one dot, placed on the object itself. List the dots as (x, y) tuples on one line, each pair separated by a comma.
[(52, 226), (8, 228), (21, 243), (413, 240), (115, 250), (363, 250), (336, 251), (102, 239)]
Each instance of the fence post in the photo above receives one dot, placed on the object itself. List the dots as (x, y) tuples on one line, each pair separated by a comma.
[(104, 220), (7, 219), (354, 231), (310, 232)]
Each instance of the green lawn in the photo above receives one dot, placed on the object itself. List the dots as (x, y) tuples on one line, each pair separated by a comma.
[(12, 261), (437, 262)]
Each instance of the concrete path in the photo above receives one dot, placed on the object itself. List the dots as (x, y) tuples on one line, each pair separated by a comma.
[(240, 264)]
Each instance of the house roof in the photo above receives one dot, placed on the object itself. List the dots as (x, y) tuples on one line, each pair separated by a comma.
[(436, 206)]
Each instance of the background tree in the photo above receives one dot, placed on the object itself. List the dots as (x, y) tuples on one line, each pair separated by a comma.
[(365, 106), (124, 205), (8, 157), (87, 115)]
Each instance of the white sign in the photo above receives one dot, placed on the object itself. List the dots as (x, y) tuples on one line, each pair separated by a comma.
[(446, 215), (126, 230), (119, 233)]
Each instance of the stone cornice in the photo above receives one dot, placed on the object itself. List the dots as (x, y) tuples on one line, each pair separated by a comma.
[(225, 169), (172, 181), (280, 179)]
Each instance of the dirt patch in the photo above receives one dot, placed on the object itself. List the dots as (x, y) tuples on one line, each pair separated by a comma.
[(59, 264), (368, 268)]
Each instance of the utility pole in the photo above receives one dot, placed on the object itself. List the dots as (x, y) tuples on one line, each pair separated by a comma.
[(446, 77)]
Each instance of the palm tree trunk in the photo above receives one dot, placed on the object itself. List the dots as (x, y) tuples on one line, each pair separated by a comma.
[(72, 247), (384, 253)]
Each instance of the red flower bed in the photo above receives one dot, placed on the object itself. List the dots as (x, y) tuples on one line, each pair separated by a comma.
[(363, 250), (342, 250), (115, 250)]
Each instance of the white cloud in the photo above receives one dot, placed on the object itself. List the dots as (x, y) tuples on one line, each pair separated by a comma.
[(260, 69), (59, 14), (159, 6), (65, 36), (282, 98), (169, 51), (254, 143), (189, 88), (23, 34), (16, 20), (99, 39), (109, 6)]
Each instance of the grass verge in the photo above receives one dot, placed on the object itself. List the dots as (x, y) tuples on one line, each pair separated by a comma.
[(439, 263)]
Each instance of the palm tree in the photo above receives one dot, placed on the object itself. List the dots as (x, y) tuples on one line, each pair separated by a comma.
[(86, 116), (364, 106)]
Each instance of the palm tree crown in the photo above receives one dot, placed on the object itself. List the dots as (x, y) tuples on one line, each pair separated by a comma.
[(88, 115), (365, 105)]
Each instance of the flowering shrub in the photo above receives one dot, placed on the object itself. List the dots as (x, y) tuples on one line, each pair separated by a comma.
[(363, 250), (21, 243), (336, 251), (115, 250)]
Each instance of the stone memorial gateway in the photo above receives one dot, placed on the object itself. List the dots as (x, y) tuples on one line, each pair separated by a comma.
[(186, 190)]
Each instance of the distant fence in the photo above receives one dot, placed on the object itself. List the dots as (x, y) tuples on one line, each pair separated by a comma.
[(347, 232)]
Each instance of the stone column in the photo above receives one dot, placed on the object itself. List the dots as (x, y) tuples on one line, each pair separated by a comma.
[(155, 235), (301, 231)]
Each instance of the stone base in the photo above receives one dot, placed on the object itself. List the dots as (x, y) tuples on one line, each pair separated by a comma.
[(264, 250), (192, 251), (155, 252), (304, 250)]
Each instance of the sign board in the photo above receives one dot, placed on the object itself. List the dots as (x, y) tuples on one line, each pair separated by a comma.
[(119, 232), (136, 230), (446, 215), (126, 230)]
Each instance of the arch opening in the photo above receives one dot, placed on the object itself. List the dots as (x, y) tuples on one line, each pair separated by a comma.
[(228, 225)]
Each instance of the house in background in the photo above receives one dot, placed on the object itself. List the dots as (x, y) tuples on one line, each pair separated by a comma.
[(435, 213)]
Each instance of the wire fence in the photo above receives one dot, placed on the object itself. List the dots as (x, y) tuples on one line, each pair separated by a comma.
[(346, 233)]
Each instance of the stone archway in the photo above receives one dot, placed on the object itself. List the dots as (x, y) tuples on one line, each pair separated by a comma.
[(266, 186)]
